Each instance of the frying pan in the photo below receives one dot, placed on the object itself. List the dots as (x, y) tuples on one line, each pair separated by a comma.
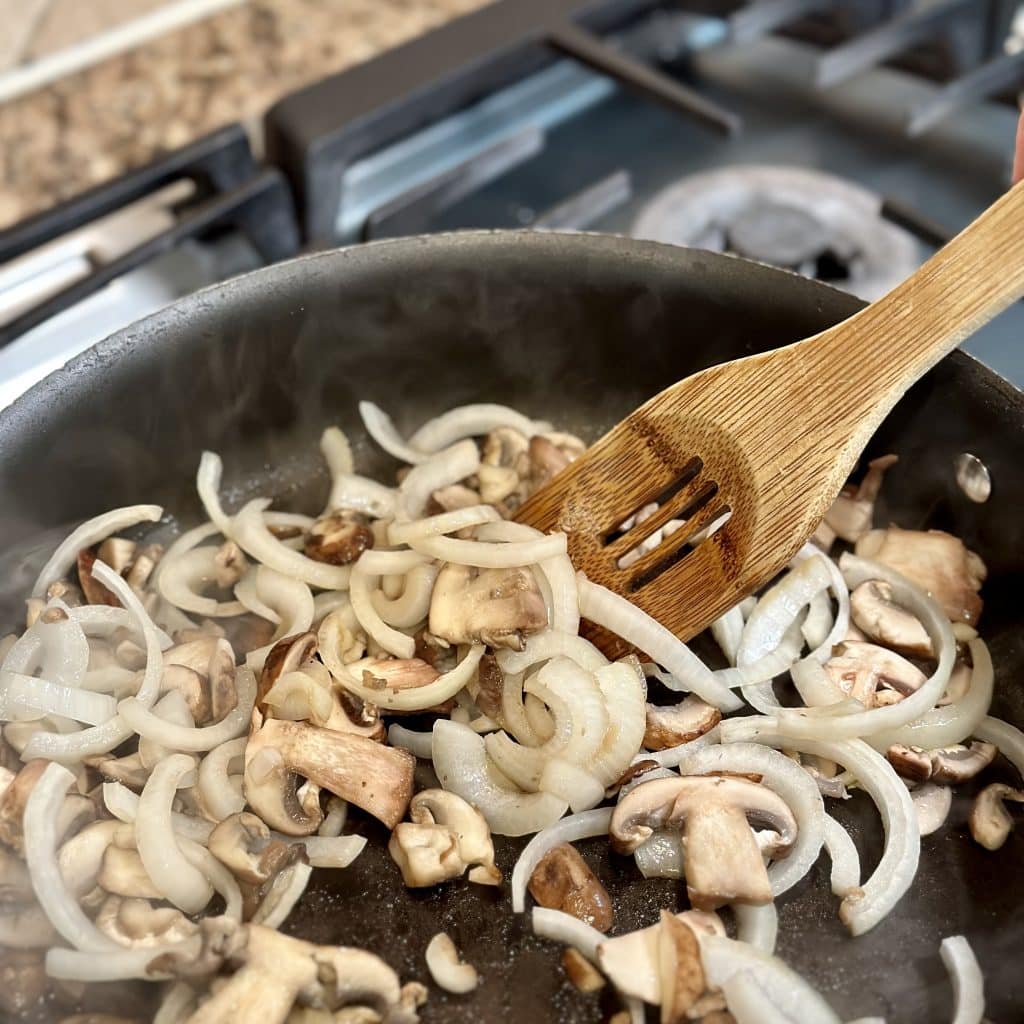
[(577, 329)]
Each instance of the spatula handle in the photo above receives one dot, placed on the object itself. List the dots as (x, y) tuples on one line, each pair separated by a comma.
[(886, 347)]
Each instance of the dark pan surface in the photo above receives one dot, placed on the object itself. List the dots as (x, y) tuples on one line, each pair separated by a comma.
[(578, 329)]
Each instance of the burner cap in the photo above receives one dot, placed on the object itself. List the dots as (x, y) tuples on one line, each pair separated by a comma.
[(804, 220)]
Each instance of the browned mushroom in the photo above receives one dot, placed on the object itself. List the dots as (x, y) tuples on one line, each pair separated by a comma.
[(375, 777), (990, 822), (92, 589), (582, 974), (490, 687), (13, 800), (882, 620), (937, 562), (289, 654), (338, 538), (563, 881), (122, 874), (499, 607), (203, 671), (398, 673), (859, 669), (670, 725), (679, 969), (949, 765), (723, 860)]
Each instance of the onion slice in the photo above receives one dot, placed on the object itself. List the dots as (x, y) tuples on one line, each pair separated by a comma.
[(40, 835), (965, 974), (558, 926), (381, 428), (484, 555), (471, 421), (605, 608), (757, 926), (1008, 738), (92, 531), (845, 875)]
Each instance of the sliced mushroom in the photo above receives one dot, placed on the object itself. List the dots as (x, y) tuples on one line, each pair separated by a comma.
[(426, 854), (128, 770), (357, 716), (203, 671), (452, 498), (242, 843), (499, 607), (885, 622), (673, 724), (859, 669), (582, 974), (490, 687), (990, 823), (547, 460), (851, 513), (138, 924), (506, 446), (473, 834), (497, 483), (937, 562), (723, 860), (377, 778), (563, 881), (290, 654), (141, 569), (398, 673), (338, 538), (445, 967), (932, 804), (122, 874), (679, 969), (13, 800), (949, 765)]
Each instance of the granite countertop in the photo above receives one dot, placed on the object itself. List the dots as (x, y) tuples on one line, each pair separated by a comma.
[(97, 123)]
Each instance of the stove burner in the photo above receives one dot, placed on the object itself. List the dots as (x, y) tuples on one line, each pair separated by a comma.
[(813, 223)]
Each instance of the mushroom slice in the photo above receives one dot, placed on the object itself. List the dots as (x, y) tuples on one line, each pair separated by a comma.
[(426, 854), (883, 621), (338, 538), (547, 460), (13, 800), (858, 669), (122, 874), (990, 822), (937, 562), (289, 654), (562, 880), (446, 969), (949, 765), (452, 498), (499, 607), (242, 843), (932, 804), (716, 814), (138, 924), (398, 674), (679, 723), (851, 513), (910, 762), (582, 974), (377, 778), (507, 447), (353, 714), (679, 969), (473, 835)]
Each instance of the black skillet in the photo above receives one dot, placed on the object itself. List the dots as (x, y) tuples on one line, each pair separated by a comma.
[(577, 329)]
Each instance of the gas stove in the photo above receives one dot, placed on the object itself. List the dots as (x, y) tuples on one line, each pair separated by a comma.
[(840, 139)]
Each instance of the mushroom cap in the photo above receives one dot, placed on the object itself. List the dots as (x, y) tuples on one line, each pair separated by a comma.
[(990, 822), (338, 538), (426, 854), (670, 725), (473, 834), (242, 843), (859, 668), (875, 613)]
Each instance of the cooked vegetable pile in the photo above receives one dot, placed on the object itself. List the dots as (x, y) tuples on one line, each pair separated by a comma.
[(186, 730)]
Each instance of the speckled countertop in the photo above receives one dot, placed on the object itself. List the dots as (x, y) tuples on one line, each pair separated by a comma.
[(95, 124)]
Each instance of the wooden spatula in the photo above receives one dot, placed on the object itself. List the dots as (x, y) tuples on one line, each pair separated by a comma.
[(770, 439)]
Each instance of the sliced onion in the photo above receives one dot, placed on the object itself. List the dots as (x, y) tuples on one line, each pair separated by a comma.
[(757, 926), (180, 584), (215, 873), (337, 452), (952, 723), (401, 645), (418, 743), (219, 789), (727, 631), (572, 783), (177, 737), (813, 684), (332, 851), (965, 974), (40, 837), (251, 534), (247, 592), (845, 875), (442, 524), (360, 494), (421, 697), (783, 988), (441, 470), (289, 599), (558, 926), (793, 785), (818, 624), (92, 531), (578, 707), (208, 478), (461, 764), (485, 555), (876, 720), (413, 605), (471, 421), (285, 891), (1008, 738), (65, 648), (625, 694), (177, 1004), (575, 827), (117, 964), (551, 644), (661, 856), (168, 867), (123, 804), (381, 428), (864, 908), (28, 697), (605, 608)]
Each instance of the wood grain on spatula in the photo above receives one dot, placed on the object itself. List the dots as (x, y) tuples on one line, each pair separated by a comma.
[(770, 439)]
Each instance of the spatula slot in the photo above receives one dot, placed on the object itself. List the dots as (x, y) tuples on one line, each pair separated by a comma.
[(678, 544)]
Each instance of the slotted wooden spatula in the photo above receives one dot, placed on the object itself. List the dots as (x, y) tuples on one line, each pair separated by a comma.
[(770, 439)]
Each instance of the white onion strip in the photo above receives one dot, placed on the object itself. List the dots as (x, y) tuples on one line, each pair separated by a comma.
[(337, 452), (168, 867), (208, 478), (123, 804), (757, 926), (845, 875), (442, 524), (181, 580), (440, 470), (117, 964), (485, 555), (395, 642), (577, 826), (413, 605), (471, 421), (92, 531), (875, 720), (331, 851), (381, 428), (551, 644), (605, 608), (865, 907), (558, 926), (219, 790), (965, 974), (251, 534), (29, 697), (417, 743), (40, 835), (1008, 738), (178, 737)]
